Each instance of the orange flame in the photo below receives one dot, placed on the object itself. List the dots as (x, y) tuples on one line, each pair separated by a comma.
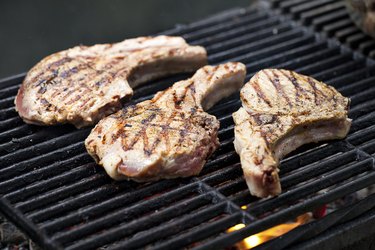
[(259, 238)]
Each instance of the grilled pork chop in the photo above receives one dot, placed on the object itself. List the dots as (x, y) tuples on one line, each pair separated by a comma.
[(170, 135), (83, 84), (283, 110)]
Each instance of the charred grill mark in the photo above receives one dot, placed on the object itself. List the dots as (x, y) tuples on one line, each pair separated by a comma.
[(275, 80), (60, 62), (131, 110), (78, 97), (129, 50), (210, 75), (67, 94), (59, 92), (193, 92), (82, 66), (147, 120), (92, 73), (74, 99), (300, 91), (145, 143), (43, 84), (105, 78), (164, 131), (85, 101), (48, 106), (50, 80), (49, 67), (260, 93), (155, 109), (312, 84), (101, 82), (165, 128), (181, 99), (67, 77), (153, 146), (147, 152), (295, 82), (87, 69), (316, 91), (176, 100), (140, 133), (183, 132), (333, 96), (44, 101), (104, 139), (42, 90), (119, 133), (70, 71)]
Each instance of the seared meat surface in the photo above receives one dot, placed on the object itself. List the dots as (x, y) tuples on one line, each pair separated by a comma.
[(170, 135), (84, 84), (283, 110)]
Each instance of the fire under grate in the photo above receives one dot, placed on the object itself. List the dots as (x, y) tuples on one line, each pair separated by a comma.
[(53, 191)]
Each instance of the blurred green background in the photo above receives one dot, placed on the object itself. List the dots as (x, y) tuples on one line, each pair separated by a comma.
[(31, 30)]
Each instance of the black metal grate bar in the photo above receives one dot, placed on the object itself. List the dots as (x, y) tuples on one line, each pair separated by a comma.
[(52, 189)]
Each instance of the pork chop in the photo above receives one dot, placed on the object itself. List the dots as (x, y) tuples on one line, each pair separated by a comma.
[(283, 110), (170, 135), (84, 84)]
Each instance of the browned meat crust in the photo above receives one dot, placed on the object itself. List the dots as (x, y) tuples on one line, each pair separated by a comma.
[(283, 110), (84, 84), (170, 135)]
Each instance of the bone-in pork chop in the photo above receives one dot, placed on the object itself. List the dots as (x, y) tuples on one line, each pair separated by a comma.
[(170, 135), (84, 84), (283, 110)]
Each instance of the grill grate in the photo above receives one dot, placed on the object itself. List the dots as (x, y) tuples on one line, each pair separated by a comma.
[(52, 189), (329, 17)]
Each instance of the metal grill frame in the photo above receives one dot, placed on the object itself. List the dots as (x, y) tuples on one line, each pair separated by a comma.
[(200, 208)]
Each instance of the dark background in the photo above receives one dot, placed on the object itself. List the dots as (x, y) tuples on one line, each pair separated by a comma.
[(31, 30)]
